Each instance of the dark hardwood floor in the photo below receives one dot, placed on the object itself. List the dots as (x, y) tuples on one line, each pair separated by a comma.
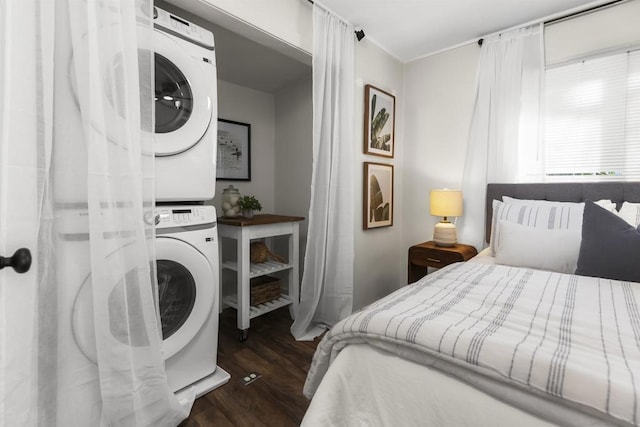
[(275, 399)]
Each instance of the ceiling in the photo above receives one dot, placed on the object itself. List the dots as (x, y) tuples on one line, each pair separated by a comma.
[(246, 63), (406, 29), (411, 29)]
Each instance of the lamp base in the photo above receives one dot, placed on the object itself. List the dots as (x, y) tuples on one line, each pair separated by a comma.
[(444, 234)]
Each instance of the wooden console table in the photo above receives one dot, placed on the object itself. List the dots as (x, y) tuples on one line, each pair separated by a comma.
[(244, 230)]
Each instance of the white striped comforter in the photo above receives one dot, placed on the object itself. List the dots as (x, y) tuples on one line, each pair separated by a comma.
[(570, 337)]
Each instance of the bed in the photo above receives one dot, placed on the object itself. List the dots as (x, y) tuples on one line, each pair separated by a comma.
[(511, 337)]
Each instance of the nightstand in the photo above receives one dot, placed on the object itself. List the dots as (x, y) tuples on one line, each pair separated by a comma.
[(428, 254)]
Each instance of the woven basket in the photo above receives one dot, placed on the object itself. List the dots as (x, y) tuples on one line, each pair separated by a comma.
[(264, 288), (259, 252)]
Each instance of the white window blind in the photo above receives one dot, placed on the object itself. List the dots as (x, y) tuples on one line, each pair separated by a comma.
[(592, 119)]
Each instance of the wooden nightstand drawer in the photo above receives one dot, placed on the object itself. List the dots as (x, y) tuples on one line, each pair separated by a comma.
[(428, 257), (428, 254)]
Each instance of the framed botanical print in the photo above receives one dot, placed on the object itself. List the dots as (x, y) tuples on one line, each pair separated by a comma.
[(379, 122), (377, 202)]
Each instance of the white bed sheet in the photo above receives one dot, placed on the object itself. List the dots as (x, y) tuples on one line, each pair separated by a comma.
[(484, 257), (370, 387)]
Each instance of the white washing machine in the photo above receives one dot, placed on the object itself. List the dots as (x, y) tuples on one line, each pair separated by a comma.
[(186, 112), (187, 265), (186, 109), (71, 296), (187, 262)]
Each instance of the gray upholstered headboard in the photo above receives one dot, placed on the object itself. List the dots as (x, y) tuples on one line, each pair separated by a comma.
[(617, 192)]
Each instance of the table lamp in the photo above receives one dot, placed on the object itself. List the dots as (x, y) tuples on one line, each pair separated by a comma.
[(445, 203)]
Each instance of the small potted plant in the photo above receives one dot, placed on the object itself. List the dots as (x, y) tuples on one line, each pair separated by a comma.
[(248, 204)]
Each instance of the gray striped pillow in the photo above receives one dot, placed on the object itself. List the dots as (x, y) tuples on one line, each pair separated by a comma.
[(540, 214)]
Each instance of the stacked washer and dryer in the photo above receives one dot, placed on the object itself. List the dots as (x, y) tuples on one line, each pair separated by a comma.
[(186, 235)]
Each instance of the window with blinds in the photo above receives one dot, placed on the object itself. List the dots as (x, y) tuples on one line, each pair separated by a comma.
[(592, 119)]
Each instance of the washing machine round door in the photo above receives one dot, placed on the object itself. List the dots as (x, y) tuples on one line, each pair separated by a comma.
[(183, 92), (183, 104), (125, 328), (186, 292)]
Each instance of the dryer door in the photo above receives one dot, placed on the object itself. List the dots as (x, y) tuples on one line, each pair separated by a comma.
[(184, 88), (183, 104), (185, 290)]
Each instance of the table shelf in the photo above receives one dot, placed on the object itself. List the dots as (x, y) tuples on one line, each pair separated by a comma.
[(243, 231), (260, 309), (259, 269)]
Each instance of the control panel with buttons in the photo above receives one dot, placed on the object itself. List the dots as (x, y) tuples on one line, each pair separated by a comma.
[(180, 27), (173, 216)]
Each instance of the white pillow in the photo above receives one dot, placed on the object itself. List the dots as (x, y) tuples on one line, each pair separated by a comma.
[(537, 214), (545, 249), (630, 212), (606, 204)]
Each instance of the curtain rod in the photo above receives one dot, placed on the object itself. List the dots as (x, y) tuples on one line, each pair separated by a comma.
[(564, 17), (585, 11), (359, 32)]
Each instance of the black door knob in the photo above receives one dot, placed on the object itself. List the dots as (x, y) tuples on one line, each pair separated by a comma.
[(20, 261)]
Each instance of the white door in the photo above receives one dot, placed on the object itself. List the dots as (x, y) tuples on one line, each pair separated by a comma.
[(18, 229), (19, 225)]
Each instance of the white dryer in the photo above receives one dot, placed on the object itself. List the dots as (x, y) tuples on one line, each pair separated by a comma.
[(186, 109), (186, 112), (187, 266)]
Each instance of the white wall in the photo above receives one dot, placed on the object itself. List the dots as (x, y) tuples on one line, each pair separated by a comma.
[(257, 108), (284, 25), (439, 102), (380, 255), (293, 149), (294, 155), (288, 20), (434, 100), (281, 140), (607, 29), (439, 98)]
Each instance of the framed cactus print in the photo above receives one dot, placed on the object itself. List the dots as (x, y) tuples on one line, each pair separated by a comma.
[(377, 203), (379, 122)]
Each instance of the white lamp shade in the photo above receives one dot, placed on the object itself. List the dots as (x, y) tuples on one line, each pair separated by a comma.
[(446, 203)]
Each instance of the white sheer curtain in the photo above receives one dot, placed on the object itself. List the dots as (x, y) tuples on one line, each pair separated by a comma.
[(80, 341), (504, 129), (326, 294)]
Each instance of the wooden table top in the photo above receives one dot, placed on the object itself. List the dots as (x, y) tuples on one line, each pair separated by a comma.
[(258, 220)]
